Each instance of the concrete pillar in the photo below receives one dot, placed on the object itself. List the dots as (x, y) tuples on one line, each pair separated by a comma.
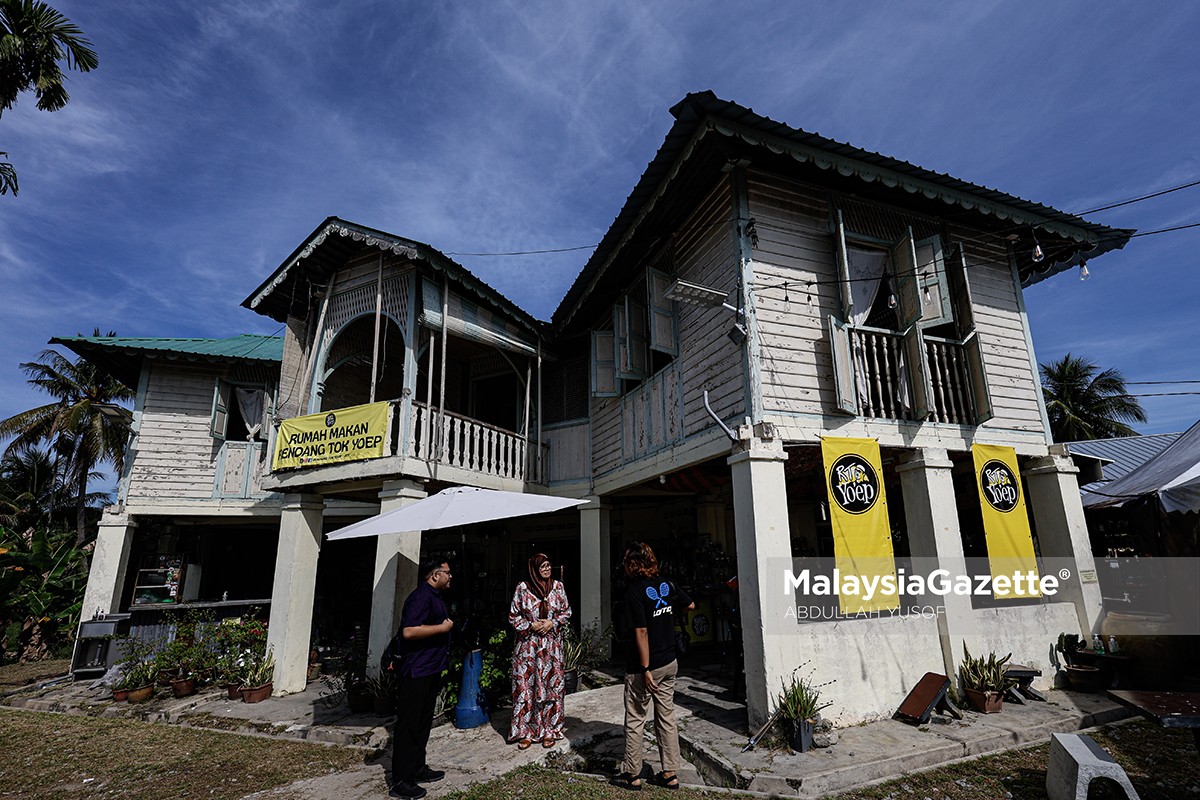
[(396, 559), (935, 540), (595, 565), (764, 551), (1062, 533), (110, 560), (290, 628)]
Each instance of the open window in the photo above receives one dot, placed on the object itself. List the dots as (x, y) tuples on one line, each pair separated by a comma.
[(240, 412), (906, 345)]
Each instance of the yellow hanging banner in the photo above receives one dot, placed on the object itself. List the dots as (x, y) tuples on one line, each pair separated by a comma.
[(347, 434), (862, 535), (1005, 522)]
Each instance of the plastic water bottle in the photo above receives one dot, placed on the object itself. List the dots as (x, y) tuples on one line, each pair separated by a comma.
[(1112, 645), (1097, 645)]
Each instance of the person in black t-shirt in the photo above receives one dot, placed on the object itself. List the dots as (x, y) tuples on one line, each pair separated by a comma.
[(651, 603)]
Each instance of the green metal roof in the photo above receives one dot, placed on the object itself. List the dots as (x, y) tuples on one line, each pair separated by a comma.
[(122, 356)]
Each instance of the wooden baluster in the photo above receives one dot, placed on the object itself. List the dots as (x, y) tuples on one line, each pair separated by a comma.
[(967, 416), (491, 451), (937, 367), (506, 451)]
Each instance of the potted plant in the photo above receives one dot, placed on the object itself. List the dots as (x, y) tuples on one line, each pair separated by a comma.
[(141, 679), (799, 704), (382, 690), (582, 651), (1082, 677), (984, 681), (258, 679)]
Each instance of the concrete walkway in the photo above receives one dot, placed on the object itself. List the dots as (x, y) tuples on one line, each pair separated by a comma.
[(712, 734)]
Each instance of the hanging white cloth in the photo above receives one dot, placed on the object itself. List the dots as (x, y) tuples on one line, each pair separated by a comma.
[(252, 403), (866, 268)]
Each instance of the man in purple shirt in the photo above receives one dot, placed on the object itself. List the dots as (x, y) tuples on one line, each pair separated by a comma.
[(424, 638)]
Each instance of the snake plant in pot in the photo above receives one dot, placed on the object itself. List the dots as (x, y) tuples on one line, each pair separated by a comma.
[(984, 680), (799, 705)]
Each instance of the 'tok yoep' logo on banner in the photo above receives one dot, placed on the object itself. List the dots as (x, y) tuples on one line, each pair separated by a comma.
[(999, 486), (853, 484)]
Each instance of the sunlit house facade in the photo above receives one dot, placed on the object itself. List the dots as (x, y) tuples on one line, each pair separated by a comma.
[(762, 289)]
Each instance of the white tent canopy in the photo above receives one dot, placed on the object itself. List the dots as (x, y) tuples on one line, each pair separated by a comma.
[(458, 505), (1173, 476)]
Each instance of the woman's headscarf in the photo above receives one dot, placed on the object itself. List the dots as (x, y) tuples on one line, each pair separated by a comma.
[(538, 585)]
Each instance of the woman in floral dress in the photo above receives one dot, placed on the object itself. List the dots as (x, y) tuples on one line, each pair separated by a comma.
[(539, 612)]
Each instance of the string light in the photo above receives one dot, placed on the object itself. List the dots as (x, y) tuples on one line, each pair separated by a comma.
[(1083, 270)]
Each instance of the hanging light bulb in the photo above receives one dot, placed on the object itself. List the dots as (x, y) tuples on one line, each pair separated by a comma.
[(809, 292), (927, 297), (786, 299), (1083, 270), (891, 301), (1039, 255)]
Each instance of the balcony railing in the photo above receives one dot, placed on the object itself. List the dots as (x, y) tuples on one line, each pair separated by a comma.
[(883, 379), (469, 444)]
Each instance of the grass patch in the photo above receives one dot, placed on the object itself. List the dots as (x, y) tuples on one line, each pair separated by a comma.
[(1162, 765), (14, 676), (59, 756)]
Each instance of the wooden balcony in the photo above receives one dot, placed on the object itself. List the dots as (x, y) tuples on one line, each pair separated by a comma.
[(426, 444), (883, 378)]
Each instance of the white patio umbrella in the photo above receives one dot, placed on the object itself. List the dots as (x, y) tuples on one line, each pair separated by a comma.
[(458, 505)]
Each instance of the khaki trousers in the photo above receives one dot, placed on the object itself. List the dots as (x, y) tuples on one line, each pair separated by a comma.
[(637, 701)]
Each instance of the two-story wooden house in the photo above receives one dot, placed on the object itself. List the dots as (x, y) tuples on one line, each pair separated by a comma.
[(762, 289)]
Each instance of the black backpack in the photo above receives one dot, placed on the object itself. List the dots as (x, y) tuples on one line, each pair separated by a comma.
[(389, 660)]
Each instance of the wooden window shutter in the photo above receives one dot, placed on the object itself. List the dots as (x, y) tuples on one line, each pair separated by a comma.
[(222, 394), (964, 310), (931, 274), (973, 350), (960, 290), (604, 367), (846, 398), (664, 322), (917, 364), (908, 293), (843, 265)]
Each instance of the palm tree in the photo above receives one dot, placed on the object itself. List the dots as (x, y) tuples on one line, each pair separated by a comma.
[(1083, 402), (84, 425), (34, 38)]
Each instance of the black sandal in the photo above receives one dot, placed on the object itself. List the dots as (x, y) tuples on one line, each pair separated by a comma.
[(671, 783), (628, 781)]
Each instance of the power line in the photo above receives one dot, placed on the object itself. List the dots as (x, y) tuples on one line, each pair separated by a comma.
[(1156, 383), (531, 252), (1140, 199)]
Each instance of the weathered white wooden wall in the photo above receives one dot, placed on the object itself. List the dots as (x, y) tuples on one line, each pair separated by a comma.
[(625, 429), (175, 456), (569, 456), (795, 245)]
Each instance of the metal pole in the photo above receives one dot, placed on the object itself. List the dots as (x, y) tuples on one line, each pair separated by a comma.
[(378, 317)]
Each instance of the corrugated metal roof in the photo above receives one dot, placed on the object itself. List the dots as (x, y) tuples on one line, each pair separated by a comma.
[(1126, 453), (122, 356), (325, 251), (731, 120)]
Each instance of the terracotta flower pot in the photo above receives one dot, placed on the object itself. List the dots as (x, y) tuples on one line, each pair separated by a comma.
[(165, 676), (234, 690), (120, 695), (985, 702), (141, 694), (183, 687), (256, 694)]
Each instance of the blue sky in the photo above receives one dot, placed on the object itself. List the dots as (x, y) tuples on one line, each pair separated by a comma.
[(215, 136)]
